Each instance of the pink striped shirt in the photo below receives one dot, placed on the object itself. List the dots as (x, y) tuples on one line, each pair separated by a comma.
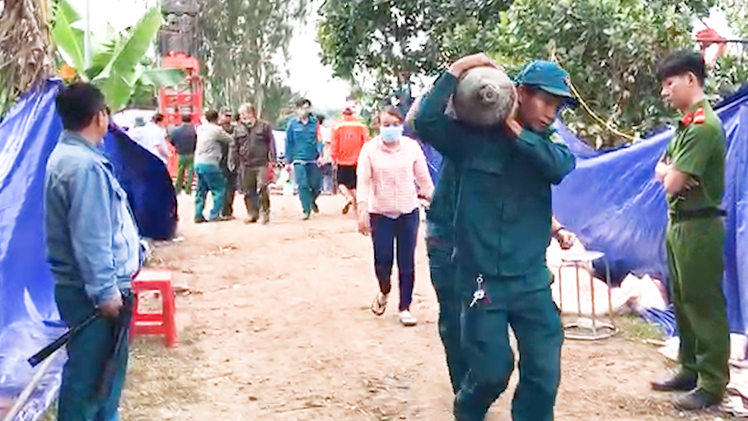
[(388, 175)]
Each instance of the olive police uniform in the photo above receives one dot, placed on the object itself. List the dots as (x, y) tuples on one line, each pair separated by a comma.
[(694, 242), (502, 226)]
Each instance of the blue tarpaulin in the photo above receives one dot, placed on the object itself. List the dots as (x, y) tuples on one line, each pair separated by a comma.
[(28, 314)]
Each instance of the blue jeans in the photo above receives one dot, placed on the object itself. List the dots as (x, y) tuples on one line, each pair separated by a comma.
[(86, 355), (210, 178), (388, 235), (309, 179)]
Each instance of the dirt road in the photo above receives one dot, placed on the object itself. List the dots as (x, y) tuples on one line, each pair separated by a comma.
[(278, 327)]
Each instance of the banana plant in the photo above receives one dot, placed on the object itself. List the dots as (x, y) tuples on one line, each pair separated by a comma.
[(117, 64)]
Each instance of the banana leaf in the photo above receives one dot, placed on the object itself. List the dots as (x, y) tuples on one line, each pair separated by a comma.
[(101, 58), (69, 40), (117, 80)]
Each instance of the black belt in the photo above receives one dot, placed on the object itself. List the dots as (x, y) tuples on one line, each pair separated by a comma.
[(703, 213)]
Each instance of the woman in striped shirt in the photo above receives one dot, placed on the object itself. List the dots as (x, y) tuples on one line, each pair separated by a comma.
[(389, 169)]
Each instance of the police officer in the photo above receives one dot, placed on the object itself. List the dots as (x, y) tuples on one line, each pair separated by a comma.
[(502, 228), (692, 172)]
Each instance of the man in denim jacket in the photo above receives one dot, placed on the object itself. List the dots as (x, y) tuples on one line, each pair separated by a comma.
[(93, 250)]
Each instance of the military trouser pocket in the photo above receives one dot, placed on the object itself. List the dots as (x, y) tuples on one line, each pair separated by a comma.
[(485, 342)]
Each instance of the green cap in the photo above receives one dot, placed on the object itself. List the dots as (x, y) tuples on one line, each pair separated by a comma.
[(547, 76)]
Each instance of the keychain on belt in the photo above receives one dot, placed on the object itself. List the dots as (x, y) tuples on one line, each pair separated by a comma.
[(479, 293)]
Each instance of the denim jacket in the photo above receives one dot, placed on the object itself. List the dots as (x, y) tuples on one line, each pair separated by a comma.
[(92, 238)]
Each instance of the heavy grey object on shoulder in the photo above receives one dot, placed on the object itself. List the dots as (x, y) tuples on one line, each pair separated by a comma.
[(484, 97)]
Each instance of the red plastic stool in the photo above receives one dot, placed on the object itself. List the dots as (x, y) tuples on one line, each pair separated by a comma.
[(150, 323)]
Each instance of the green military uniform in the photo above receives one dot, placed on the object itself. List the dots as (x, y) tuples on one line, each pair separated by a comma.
[(694, 242), (440, 246), (502, 230)]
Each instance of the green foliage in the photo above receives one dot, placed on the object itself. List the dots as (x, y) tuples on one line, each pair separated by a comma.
[(393, 40), (69, 40), (611, 49), (117, 65), (238, 41), (729, 74), (737, 15), (117, 79)]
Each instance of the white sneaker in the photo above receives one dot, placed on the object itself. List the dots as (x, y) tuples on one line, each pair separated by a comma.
[(407, 319)]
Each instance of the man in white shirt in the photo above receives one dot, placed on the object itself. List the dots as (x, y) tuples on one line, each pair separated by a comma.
[(152, 137)]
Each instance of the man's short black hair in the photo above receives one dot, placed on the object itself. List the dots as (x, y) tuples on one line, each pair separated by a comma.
[(682, 62), (211, 116), (320, 118), (186, 118), (78, 104), (158, 118), (226, 111), (303, 102)]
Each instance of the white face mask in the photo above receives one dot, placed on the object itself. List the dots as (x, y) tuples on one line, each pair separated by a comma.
[(391, 134)]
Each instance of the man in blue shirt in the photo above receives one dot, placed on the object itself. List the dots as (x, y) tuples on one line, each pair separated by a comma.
[(93, 251), (303, 151)]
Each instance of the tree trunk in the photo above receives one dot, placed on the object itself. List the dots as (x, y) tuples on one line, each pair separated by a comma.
[(26, 54), (258, 91)]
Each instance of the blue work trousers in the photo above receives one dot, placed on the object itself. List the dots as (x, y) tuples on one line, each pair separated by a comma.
[(87, 353), (443, 275), (309, 181), (525, 303), (210, 178)]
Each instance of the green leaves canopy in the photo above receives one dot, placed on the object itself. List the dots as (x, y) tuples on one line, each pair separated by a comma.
[(393, 39), (611, 48)]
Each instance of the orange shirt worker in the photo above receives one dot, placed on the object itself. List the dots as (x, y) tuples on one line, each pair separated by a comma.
[(348, 137)]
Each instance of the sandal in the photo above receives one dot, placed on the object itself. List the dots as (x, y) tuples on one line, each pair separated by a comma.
[(379, 305)]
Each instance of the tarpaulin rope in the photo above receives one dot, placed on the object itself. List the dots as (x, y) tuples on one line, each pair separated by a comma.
[(588, 109)]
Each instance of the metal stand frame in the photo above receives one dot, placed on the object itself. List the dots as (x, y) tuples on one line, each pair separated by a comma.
[(599, 329)]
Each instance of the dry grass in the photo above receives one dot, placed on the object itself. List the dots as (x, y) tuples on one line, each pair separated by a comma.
[(158, 379), (161, 380), (637, 329)]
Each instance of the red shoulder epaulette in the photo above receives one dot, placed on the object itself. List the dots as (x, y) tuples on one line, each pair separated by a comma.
[(699, 116)]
